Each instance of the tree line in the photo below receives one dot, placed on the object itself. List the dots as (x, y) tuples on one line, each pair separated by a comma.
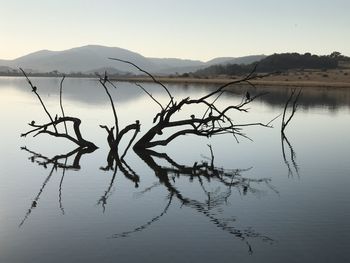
[(275, 63)]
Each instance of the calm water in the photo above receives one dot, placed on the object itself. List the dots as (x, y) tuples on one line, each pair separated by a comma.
[(277, 210)]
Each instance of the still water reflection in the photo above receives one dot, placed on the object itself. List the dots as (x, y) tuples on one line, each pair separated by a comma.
[(275, 199)]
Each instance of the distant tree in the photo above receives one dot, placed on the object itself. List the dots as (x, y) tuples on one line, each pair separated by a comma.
[(275, 62), (335, 54)]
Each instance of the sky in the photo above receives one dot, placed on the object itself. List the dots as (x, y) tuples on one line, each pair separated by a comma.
[(193, 29)]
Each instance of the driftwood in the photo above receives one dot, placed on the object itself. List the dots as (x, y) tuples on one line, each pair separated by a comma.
[(213, 121), (44, 128), (115, 135)]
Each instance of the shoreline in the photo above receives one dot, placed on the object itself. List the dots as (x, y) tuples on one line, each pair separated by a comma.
[(272, 82), (263, 83)]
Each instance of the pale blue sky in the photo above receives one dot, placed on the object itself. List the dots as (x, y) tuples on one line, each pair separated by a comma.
[(196, 29)]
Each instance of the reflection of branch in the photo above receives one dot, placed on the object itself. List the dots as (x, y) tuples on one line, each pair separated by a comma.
[(229, 178), (60, 188), (147, 224), (113, 163), (36, 199), (103, 199), (284, 137), (292, 156), (55, 161), (44, 161)]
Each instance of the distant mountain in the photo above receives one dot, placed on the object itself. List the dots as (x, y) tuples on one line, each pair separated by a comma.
[(80, 59), (94, 58)]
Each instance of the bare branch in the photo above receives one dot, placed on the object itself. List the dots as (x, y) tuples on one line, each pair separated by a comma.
[(294, 109), (103, 83), (149, 94), (61, 87), (79, 140), (34, 89), (149, 74)]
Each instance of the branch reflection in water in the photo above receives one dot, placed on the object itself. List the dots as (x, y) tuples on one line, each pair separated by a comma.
[(292, 155), (293, 100), (204, 172), (113, 163), (56, 163)]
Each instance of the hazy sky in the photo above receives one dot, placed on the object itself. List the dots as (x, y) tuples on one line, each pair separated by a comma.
[(196, 29)]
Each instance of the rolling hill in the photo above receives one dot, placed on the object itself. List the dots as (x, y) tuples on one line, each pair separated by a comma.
[(94, 58)]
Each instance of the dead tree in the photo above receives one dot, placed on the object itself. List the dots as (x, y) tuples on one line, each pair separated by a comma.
[(115, 135), (293, 99), (44, 128), (213, 121)]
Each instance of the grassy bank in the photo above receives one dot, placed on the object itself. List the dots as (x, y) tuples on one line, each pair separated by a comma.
[(339, 78)]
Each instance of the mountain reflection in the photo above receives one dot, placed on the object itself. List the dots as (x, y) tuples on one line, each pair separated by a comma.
[(87, 91)]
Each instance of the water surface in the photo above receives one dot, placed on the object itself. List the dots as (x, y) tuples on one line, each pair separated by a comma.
[(278, 210)]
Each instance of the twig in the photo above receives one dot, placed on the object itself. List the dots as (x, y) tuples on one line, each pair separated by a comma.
[(149, 94), (61, 87), (103, 83), (150, 75)]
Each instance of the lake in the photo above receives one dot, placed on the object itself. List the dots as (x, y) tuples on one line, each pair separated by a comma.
[(265, 206)]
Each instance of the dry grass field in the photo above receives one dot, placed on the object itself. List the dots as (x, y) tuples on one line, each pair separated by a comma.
[(299, 78)]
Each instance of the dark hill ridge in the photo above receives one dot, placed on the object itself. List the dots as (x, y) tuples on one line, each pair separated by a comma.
[(93, 58), (274, 63)]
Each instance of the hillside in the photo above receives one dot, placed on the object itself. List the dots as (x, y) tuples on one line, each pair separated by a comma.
[(273, 63), (92, 58)]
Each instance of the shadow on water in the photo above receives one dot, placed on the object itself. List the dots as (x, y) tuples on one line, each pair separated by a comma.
[(205, 174)]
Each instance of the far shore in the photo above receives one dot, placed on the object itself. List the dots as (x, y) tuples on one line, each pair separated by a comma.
[(338, 78), (213, 81)]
